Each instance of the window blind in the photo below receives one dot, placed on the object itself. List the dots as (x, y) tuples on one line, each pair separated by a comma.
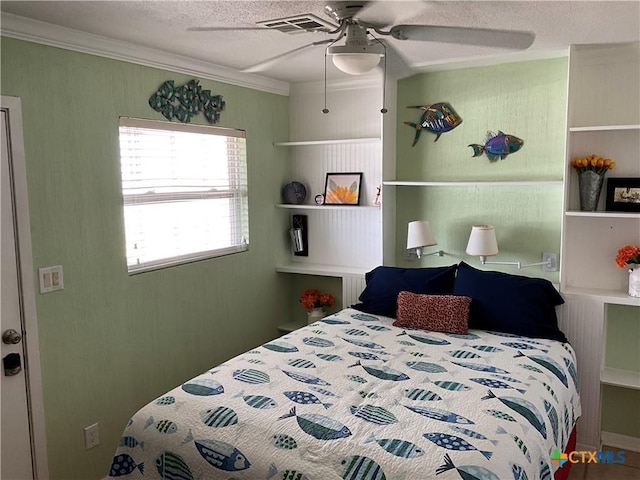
[(184, 191)]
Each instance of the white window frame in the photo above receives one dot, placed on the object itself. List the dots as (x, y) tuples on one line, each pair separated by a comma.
[(175, 194)]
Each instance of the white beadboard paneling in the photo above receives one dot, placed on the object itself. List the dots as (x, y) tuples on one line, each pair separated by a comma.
[(352, 287), (353, 236), (581, 318), (350, 238), (582, 259)]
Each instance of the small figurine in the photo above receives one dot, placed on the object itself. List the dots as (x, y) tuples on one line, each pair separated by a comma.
[(497, 146), (377, 201), (437, 118)]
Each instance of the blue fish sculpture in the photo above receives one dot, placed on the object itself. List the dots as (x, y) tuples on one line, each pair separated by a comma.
[(497, 146), (438, 118)]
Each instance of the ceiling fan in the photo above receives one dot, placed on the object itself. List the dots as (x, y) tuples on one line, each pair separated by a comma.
[(361, 51)]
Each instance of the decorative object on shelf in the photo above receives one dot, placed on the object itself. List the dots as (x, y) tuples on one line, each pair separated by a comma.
[(377, 201), (482, 243), (186, 101), (438, 118), (319, 199), (342, 188), (591, 170), (497, 146), (314, 301), (629, 257), (294, 193), (623, 194), (299, 234), (419, 235)]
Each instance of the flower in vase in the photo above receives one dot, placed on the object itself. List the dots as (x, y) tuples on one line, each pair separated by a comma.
[(312, 298), (594, 163), (627, 256)]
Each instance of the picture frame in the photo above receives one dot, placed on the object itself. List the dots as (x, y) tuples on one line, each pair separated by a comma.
[(342, 188), (623, 194)]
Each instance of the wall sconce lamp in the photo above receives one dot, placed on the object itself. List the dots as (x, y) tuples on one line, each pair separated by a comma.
[(419, 235), (482, 243)]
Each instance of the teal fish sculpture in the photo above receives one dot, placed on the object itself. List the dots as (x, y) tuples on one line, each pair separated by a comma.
[(437, 118), (497, 146)]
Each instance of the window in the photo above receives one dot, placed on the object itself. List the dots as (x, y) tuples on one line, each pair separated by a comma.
[(185, 192)]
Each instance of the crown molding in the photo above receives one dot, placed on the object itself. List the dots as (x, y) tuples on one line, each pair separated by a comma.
[(29, 30)]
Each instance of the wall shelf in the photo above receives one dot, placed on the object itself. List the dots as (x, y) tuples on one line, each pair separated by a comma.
[(507, 183), (326, 207), (322, 270), (578, 213), (613, 297), (327, 142), (620, 378), (602, 128)]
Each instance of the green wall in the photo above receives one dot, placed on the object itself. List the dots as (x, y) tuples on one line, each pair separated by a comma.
[(528, 100), (111, 342)]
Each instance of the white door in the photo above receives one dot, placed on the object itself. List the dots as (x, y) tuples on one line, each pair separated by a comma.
[(22, 432)]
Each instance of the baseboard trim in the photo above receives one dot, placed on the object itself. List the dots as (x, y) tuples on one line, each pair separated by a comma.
[(623, 442)]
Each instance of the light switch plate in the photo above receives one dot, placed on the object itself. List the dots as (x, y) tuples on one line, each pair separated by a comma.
[(51, 279)]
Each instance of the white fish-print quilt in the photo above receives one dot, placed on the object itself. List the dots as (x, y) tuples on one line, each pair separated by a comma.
[(352, 397)]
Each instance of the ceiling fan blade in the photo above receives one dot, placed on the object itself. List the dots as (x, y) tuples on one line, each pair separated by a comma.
[(467, 36), (386, 14), (263, 65)]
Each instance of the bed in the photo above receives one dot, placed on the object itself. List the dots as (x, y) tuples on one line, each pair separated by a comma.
[(361, 395)]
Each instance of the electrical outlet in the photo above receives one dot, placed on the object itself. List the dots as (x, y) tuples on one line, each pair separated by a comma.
[(91, 436), (551, 262)]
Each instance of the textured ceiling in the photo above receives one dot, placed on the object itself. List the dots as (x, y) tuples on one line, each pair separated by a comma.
[(165, 25)]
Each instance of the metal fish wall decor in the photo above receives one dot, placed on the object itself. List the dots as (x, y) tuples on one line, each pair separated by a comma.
[(437, 119), (186, 101), (497, 146)]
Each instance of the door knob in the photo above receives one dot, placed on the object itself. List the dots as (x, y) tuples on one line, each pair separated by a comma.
[(11, 337)]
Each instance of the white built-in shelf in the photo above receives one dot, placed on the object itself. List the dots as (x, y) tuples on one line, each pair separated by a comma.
[(506, 183), (603, 128), (615, 297), (291, 326), (326, 207), (327, 142), (579, 213), (620, 378), (322, 270)]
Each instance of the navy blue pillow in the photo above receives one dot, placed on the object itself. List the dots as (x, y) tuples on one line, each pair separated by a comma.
[(510, 303), (380, 296)]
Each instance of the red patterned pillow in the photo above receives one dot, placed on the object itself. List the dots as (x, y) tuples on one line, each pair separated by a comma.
[(438, 313)]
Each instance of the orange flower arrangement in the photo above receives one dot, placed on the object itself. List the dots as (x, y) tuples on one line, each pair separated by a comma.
[(312, 298), (593, 162), (627, 256)]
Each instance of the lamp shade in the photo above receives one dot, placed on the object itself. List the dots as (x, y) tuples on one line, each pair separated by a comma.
[(482, 241), (419, 235)]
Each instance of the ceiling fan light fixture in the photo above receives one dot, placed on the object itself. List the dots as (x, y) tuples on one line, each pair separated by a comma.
[(356, 60)]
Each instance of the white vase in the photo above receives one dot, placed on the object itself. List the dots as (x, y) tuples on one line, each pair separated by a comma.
[(315, 315), (634, 281)]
